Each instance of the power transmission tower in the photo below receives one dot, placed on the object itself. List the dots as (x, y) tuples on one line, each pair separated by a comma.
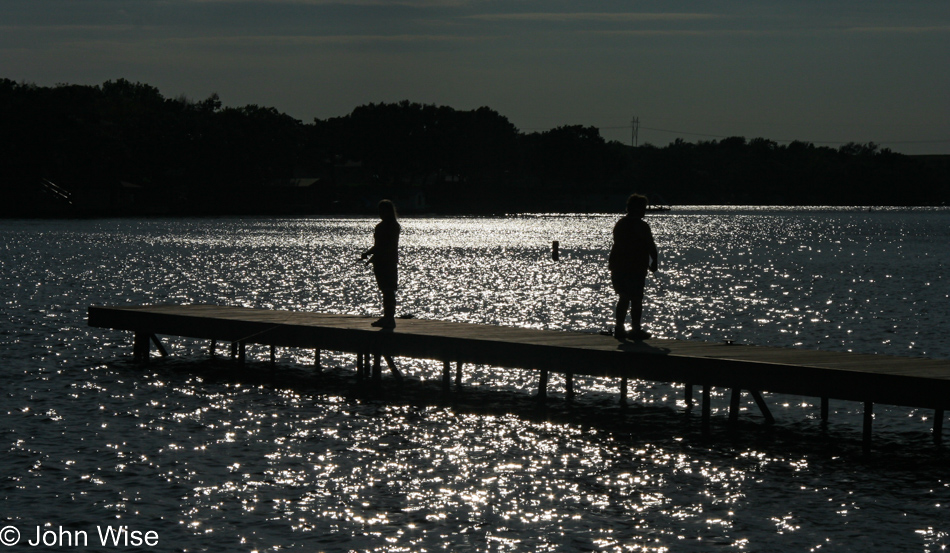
[(634, 130)]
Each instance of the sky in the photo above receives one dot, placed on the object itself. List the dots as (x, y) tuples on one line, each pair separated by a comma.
[(820, 71)]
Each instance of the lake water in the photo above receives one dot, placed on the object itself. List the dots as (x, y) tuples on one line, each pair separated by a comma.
[(209, 456)]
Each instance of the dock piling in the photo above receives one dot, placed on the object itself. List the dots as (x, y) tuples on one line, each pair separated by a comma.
[(707, 410), (446, 376), (763, 406), (159, 346), (377, 368), (938, 426), (734, 403), (391, 363), (868, 421), (140, 346)]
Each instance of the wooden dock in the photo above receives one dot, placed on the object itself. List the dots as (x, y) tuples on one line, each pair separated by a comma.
[(903, 381)]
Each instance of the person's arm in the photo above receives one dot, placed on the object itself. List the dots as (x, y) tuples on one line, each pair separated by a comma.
[(372, 250)]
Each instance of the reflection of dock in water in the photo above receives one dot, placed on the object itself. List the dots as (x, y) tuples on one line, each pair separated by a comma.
[(903, 381)]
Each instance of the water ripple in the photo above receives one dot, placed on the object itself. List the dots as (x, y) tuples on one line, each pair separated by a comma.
[(215, 457)]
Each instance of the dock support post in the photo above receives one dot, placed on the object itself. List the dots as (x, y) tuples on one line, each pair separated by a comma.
[(211, 348), (158, 344), (360, 373), (623, 390), (688, 396), (140, 346), (569, 386), (242, 352), (763, 407), (458, 374), (234, 350), (316, 361), (734, 405), (392, 367), (377, 368), (273, 355), (543, 385), (938, 426), (707, 411), (446, 376), (868, 420), (824, 409)]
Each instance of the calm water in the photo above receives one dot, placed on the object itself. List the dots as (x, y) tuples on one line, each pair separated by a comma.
[(211, 457)]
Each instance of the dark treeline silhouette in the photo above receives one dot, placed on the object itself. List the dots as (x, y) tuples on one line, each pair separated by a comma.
[(121, 148)]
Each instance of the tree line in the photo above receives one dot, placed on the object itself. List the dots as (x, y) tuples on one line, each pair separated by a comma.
[(122, 148)]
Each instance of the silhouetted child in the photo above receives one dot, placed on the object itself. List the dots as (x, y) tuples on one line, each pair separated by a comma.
[(633, 252), (384, 258)]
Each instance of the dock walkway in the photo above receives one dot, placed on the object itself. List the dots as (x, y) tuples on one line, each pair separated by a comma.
[(903, 381)]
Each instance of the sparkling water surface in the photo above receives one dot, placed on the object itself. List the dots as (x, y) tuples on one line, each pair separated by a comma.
[(216, 457)]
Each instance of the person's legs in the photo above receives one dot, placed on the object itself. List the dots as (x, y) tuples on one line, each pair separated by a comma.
[(636, 306), (387, 279), (389, 305), (388, 320), (621, 285), (621, 316)]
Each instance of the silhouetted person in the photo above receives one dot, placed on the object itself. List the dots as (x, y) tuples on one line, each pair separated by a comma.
[(385, 257), (633, 252)]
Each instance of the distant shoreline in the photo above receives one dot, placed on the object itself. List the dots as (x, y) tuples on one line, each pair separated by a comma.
[(123, 149)]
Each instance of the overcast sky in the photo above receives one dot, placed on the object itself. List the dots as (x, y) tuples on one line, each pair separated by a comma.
[(822, 71)]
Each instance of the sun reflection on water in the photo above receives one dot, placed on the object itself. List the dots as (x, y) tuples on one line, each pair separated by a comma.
[(220, 458)]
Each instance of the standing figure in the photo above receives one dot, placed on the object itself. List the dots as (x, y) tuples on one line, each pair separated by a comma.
[(385, 257), (633, 252)]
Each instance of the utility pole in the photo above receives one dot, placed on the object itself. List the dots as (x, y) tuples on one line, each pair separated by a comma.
[(634, 130)]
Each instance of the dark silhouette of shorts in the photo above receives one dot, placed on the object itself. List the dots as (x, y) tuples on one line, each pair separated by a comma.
[(387, 278), (629, 284)]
